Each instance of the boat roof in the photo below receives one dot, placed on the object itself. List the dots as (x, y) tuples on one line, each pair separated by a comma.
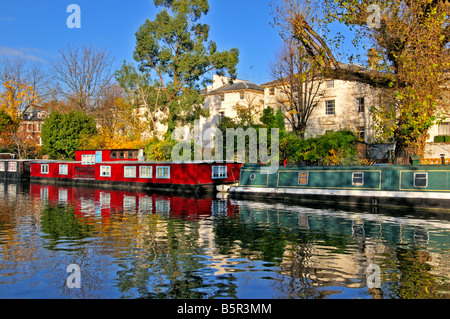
[(136, 162)]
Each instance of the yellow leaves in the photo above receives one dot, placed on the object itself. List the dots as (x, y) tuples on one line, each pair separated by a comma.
[(16, 98), (106, 139)]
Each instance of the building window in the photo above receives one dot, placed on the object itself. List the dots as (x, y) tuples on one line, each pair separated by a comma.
[(361, 133), (303, 178), (330, 107), (146, 172), (358, 179), (88, 159), (360, 102), (12, 166), (2, 166), (219, 172), (63, 169), (113, 155), (272, 91), (330, 84), (221, 115), (163, 172), (444, 129), (130, 171), (222, 97), (105, 171), (44, 169), (242, 95), (420, 180)]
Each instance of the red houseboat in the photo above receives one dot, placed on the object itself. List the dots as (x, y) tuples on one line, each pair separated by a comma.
[(126, 168)]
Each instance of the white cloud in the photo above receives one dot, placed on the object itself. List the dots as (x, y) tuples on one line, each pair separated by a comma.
[(26, 53)]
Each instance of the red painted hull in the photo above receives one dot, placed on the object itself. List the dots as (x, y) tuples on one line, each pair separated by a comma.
[(183, 176)]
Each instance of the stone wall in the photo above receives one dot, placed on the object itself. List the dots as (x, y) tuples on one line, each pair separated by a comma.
[(434, 150)]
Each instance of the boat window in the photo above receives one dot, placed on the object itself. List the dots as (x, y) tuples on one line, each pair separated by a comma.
[(219, 172), (2, 166), (303, 178), (121, 154), (252, 176), (146, 172), (113, 154), (420, 179), (63, 169), (130, 171), (163, 172), (105, 171), (44, 169), (12, 166), (88, 159), (358, 179), (130, 155)]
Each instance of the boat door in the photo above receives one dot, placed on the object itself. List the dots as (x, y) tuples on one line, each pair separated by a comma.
[(98, 156)]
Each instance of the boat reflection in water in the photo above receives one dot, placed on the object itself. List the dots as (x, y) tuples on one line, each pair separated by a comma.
[(132, 244)]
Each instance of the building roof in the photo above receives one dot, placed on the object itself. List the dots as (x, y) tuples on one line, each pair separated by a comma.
[(351, 66), (238, 86)]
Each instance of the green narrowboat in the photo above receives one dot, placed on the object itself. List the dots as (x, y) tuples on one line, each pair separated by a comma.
[(424, 186)]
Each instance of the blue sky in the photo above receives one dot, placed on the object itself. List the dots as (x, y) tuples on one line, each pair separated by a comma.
[(36, 30)]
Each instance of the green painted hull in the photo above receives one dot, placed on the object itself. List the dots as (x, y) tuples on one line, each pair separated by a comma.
[(398, 185)]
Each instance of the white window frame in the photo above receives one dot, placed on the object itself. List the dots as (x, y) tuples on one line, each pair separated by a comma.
[(328, 108), (63, 169), (129, 172), (426, 179), (88, 159), (353, 179), (361, 104), (219, 172), (105, 171), (2, 166), (161, 172), (44, 169), (146, 172), (12, 166)]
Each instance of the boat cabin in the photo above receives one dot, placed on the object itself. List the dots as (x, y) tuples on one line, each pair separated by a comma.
[(90, 157)]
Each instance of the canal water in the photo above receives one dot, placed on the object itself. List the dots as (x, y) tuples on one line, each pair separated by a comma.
[(72, 242)]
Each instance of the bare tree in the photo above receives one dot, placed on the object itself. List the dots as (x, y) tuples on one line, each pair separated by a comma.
[(300, 84), (81, 75)]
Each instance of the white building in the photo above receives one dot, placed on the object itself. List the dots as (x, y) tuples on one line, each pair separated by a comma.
[(340, 105), (225, 94)]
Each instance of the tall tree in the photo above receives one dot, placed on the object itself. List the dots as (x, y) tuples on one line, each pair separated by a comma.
[(411, 41), (300, 83), (174, 49)]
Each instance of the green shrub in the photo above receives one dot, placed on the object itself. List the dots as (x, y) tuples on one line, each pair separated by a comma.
[(442, 139), (333, 148)]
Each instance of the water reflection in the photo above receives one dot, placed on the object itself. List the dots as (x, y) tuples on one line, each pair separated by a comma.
[(149, 245)]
